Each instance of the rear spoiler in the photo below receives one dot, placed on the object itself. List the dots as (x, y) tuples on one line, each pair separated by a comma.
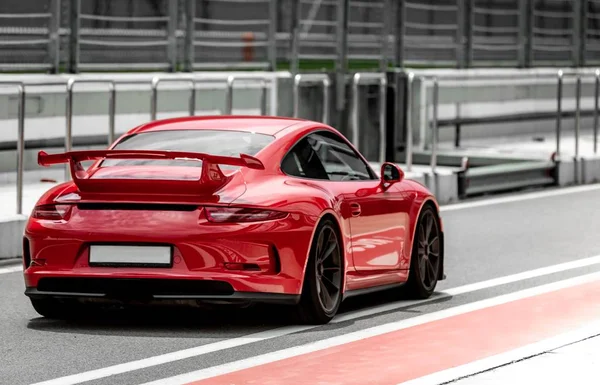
[(211, 173)]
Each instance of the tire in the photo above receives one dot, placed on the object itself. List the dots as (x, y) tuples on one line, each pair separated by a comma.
[(324, 277), (55, 309), (426, 262)]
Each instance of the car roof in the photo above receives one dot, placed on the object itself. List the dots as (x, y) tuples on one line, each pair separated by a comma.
[(268, 125)]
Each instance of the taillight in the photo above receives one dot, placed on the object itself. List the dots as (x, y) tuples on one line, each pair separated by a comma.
[(52, 212), (240, 214)]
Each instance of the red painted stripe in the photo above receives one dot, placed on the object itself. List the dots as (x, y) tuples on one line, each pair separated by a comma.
[(421, 350)]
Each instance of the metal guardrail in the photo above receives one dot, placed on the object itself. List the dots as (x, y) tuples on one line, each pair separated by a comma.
[(112, 99), (559, 96), (229, 93), (154, 94), (194, 81), (69, 85), (370, 78), (300, 79)]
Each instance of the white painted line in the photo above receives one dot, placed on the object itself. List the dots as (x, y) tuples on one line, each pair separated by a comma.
[(280, 332), (490, 283), (521, 197), (251, 362), (174, 356), (11, 269), (496, 361)]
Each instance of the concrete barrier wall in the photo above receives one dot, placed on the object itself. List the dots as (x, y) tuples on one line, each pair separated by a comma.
[(11, 236)]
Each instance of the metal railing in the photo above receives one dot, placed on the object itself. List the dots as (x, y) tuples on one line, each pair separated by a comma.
[(70, 84), (323, 79), (559, 115), (229, 92), (370, 78), (112, 100), (154, 94), (229, 80)]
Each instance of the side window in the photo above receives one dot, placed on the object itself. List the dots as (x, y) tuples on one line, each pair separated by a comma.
[(303, 161), (339, 160)]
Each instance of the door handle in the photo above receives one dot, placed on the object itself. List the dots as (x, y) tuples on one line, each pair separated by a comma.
[(355, 209)]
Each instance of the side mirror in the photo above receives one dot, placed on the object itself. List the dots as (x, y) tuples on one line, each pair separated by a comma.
[(391, 173)]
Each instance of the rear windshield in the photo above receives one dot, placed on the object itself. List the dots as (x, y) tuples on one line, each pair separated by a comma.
[(214, 142)]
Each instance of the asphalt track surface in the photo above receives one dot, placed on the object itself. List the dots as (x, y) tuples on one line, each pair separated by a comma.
[(485, 239)]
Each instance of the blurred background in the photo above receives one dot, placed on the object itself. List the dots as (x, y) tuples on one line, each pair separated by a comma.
[(469, 96), (184, 35)]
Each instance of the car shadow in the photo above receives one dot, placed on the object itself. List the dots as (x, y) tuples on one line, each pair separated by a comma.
[(218, 321)]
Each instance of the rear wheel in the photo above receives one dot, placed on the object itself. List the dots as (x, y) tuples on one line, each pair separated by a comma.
[(426, 256), (322, 289), (55, 309)]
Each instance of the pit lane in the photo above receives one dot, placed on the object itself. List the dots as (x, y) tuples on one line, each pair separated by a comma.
[(485, 241)]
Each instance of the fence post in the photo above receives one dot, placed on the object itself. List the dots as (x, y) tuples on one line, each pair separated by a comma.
[(341, 62), (229, 95), (54, 36), (468, 36), (112, 107), (578, 29), (460, 50), (74, 21), (434, 127), (596, 95), (20, 148), (154, 97), (69, 123), (263, 97), (584, 32), (172, 38), (400, 33), (577, 115), (409, 133), (272, 40), (190, 28), (355, 123), (559, 92), (577, 126), (385, 35), (382, 117), (530, 42)]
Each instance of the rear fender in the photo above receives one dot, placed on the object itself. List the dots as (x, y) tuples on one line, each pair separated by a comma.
[(344, 235), (419, 203)]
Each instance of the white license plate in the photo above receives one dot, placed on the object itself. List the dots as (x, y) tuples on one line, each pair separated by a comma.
[(130, 255)]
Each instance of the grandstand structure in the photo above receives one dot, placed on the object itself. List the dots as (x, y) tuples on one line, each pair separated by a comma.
[(187, 35)]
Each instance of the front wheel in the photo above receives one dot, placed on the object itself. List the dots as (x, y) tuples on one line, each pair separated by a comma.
[(322, 289), (426, 259)]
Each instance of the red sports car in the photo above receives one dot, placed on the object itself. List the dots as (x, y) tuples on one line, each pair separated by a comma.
[(248, 209)]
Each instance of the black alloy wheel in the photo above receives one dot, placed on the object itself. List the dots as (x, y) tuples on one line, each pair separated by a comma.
[(322, 289), (426, 255)]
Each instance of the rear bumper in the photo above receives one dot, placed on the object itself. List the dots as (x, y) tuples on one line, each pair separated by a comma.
[(261, 261)]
